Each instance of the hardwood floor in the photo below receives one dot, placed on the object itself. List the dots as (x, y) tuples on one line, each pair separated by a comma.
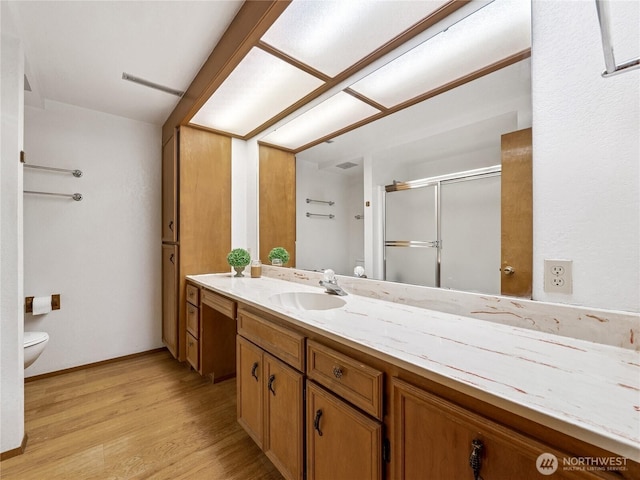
[(148, 417)]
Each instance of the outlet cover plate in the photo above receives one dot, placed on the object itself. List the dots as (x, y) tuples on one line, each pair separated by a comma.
[(558, 276)]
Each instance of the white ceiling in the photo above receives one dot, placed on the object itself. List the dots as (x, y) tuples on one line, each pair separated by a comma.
[(76, 51)]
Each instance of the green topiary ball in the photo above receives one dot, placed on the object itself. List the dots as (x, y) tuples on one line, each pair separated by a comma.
[(279, 252), (238, 257)]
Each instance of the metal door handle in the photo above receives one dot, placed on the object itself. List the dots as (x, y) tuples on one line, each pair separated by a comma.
[(253, 371), (172, 258), (270, 384), (508, 270), (475, 459), (316, 422), (171, 225)]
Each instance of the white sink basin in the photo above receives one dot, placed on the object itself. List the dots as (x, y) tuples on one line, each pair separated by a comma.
[(307, 300)]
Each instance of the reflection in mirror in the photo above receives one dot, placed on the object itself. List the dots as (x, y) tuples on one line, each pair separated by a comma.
[(456, 131)]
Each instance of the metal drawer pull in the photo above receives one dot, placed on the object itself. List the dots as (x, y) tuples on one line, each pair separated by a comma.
[(171, 225), (270, 384), (337, 372), (475, 459), (253, 371), (316, 422)]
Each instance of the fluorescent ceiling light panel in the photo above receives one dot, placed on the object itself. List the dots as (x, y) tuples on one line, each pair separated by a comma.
[(333, 114), (494, 32), (260, 87), (332, 35)]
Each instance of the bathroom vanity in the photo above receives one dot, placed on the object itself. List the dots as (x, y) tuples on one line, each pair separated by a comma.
[(357, 387)]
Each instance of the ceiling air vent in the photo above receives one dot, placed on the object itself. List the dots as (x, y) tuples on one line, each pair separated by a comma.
[(346, 165), (147, 83)]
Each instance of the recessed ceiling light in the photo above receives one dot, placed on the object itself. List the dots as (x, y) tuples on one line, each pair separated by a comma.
[(332, 35), (260, 87), (493, 33), (324, 119)]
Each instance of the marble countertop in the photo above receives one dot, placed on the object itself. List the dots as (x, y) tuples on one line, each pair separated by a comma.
[(587, 390)]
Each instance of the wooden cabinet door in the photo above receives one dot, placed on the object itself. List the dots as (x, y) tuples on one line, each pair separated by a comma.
[(283, 417), (432, 439), (169, 298), (169, 192), (249, 388), (342, 443), (517, 214)]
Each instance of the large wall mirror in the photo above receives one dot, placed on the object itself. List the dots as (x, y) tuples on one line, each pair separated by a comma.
[(452, 140), (416, 195)]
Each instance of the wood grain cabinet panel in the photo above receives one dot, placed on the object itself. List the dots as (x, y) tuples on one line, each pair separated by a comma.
[(270, 407), (342, 443), (250, 388), (196, 211), (170, 298), (277, 205), (193, 295), (218, 302), (193, 320), (352, 380), (193, 351), (169, 191), (517, 213), (433, 439), (283, 417), (281, 342)]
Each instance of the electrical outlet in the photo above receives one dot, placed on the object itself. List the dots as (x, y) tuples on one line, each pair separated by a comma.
[(558, 276)]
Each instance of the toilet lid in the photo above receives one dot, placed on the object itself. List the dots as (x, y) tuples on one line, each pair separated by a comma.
[(33, 338)]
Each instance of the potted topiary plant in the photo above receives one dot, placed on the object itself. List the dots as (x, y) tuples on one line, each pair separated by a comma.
[(238, 258), (278, 256)]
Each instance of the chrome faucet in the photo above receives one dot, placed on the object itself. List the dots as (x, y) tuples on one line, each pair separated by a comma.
[(331, 284)]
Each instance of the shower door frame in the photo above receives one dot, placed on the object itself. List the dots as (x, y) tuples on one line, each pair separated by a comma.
[(421, 183)]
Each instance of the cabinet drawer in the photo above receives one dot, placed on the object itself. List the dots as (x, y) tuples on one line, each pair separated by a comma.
[(280, 342), (193, 348), (352, 380), (193, 320), (218, 302), (193, 295)]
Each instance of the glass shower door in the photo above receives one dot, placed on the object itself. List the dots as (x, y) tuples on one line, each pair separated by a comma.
[(470, 232), (411, 236)]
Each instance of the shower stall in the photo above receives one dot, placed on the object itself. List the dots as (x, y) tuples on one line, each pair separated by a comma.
[(445, 231)]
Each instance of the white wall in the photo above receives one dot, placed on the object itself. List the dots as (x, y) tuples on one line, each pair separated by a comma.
[(239, 186), (322, 242), (586, 172), (102, 254), (11, 231), (355, 235)]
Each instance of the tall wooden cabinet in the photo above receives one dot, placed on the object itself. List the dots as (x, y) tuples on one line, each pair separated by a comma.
[(196, 221), (277, 205)]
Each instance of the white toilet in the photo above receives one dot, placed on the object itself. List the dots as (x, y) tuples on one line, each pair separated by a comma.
[(34, 343)]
